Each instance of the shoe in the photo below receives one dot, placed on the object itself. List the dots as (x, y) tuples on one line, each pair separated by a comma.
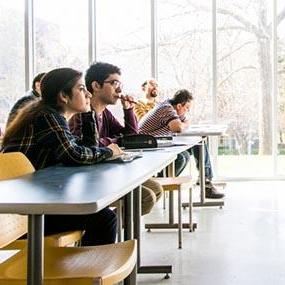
[(212, 192), (206, 181)]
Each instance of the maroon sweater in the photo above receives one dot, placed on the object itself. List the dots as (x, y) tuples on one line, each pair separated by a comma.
[(107, 126)]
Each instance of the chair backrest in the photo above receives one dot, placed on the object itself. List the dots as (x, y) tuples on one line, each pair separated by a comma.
[(13, 165)]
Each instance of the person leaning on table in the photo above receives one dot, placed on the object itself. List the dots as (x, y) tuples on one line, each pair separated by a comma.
[(169, 117), (145, 104), (41, 132)]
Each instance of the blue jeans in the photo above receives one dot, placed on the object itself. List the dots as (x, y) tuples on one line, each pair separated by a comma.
[(208, 167), (180, 163)]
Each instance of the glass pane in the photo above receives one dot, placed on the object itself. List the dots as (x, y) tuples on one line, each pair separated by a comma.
[(61, 29), (12, 56), (123, 39), (281, 89), (244, 87), (184, 52)]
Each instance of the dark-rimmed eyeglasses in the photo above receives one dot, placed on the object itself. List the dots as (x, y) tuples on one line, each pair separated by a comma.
[(115, 83)]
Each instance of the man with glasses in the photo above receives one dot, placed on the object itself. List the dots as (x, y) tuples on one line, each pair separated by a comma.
[(103, 81)]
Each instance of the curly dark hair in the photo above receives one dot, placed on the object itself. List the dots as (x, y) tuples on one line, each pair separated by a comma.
[(99, 71), (181, 96)]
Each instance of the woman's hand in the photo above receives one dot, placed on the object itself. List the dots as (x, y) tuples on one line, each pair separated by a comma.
[(115, 148)]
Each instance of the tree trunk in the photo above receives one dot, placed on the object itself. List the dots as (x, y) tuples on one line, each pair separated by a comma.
[(265, 109)]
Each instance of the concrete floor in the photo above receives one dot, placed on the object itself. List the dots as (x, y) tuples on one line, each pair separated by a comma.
[(243, 243)]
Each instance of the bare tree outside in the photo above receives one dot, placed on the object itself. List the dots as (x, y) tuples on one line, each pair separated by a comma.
[(184, 59)]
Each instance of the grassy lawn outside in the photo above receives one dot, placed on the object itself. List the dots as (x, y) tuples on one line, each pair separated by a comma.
[(249, 165), (245, 166)]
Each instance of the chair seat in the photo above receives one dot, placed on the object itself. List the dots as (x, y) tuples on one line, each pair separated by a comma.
[(174, 183), (75, 265)]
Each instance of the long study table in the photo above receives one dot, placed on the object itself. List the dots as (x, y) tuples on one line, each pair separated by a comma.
[(74, 190), (180, 144), (203, 130)]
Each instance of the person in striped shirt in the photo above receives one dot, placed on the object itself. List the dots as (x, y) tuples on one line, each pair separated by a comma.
[(146, 104), (170, 117)]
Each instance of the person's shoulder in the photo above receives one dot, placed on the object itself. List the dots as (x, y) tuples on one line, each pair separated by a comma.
[(164, 107), (142, 101), (140, 104), (24, 99), (50, 114), (164, 104), (31, 94)]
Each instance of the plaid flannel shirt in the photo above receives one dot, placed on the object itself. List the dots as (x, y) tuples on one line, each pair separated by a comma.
[(47, 140)]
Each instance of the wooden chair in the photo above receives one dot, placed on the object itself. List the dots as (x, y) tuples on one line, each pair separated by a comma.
[(105, 265), (16, 164), (176, 184)]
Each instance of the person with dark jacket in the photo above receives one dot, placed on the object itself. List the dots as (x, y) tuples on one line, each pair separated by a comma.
[(30, 97)]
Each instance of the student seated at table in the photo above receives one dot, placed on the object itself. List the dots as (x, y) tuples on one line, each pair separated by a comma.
[(31, 96), (169, 117), (149, 98), (146, 103), (41, 132), (103, 81)]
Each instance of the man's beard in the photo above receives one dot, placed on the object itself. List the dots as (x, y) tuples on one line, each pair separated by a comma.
[(153, 93)]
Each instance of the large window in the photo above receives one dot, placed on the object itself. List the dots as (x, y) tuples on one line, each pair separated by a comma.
[(123, 39), (12, 55), (184, 52), (244, 89), (281, 89), (61, 34), (223, 51)]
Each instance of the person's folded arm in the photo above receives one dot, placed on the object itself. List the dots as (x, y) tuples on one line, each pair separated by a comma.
[(176, 126), (67, 148), (131, 122)]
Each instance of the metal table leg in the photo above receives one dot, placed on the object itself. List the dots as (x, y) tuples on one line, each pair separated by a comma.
[(128, 216), (35, 270), (129, 233), (137, 234), (202, 202)]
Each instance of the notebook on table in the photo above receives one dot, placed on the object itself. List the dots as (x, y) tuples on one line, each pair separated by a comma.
[(125, 157), (164, 141), (167, 141)]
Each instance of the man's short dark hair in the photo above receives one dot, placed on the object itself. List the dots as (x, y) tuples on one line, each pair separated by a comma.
[(144, 83), (181, 96), (37, 78), (99, 71)]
